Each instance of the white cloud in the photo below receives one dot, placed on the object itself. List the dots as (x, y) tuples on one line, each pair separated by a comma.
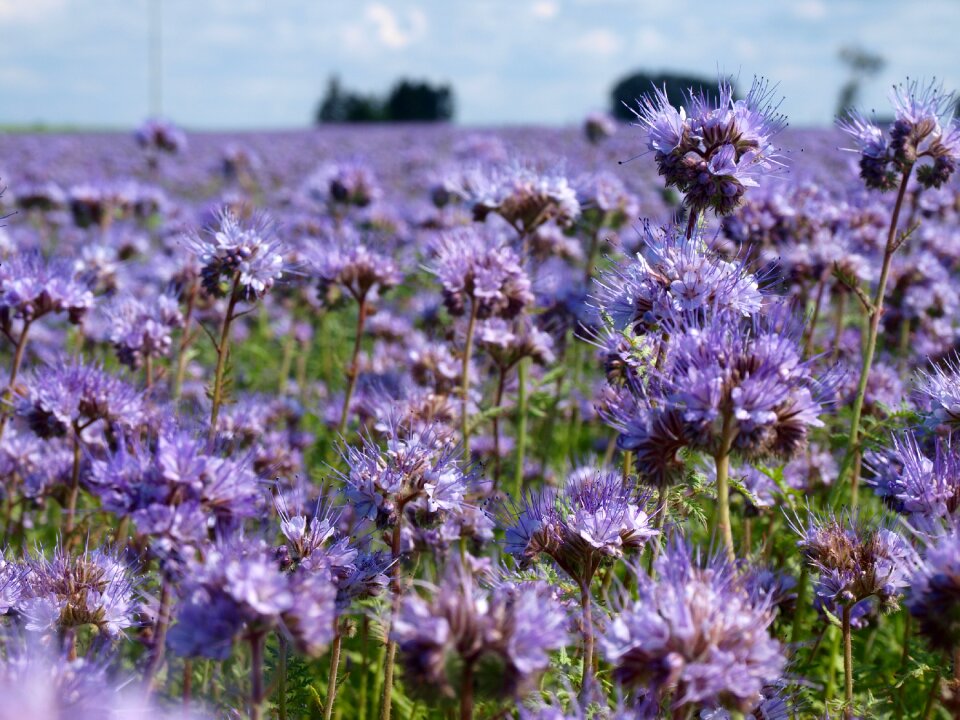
[(545, 9), (28, 11), (393, 33), (810, 10), (600, 42)]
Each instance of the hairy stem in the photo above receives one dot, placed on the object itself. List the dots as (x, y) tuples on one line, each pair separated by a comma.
[(521, 425), (332, 676), (256, 676), (223, 349), (875, 312), (14, 371), (465, 379), (466, 692), (498, 398), (354, 371), (586, 680), (847, 664), (158, 651)]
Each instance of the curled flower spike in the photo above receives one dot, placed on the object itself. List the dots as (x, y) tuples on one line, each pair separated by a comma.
[(712, 151)]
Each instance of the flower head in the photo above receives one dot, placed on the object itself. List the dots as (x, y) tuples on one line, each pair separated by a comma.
[(234, 252), (31, 287), (934, 595), (713, 150), (696, 632)]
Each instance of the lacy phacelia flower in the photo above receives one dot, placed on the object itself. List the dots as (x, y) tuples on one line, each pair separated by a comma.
[(912, 483), (713, 152), (343, 184), (595, 516), (599, 126), (31, 287), (507, 342), (506, 631), (71, 396), (674, 274), (939, 392), (856, 560), (522, 196), (95, 588), (695, 633), (247, 256), (176, 489), (921, 130), (475, 269), (159, 134), (934, 596), (348, 262), (141, 329), (239, 583), (414, 471)]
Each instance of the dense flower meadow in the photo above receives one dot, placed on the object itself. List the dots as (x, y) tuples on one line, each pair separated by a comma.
[(417, 422)]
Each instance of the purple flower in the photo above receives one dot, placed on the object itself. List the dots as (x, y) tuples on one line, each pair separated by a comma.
[(347, 183), (161, 135), (248, 256), (510, 628), (856, 559), (142, 328), (343, 259), (31, 287), (473, 268), (593, 517), (695, 633), (934, 595), (673, 274), (70, 396), (95, 588), (939, 391), (920, 133), (913, 483), (713, 152)]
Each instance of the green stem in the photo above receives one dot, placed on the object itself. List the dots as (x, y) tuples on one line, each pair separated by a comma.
[(354, 370), (521, 425), (332, 676), (386, 700), (874, 313), (847, 664), (465, 379), (223, 349), (933, 696), (159, 638), (282, 677), (185, 339), (256, 676), (466, 692), (74, 486), (14, 371), (798, 612), (586, 680), (498, 398)]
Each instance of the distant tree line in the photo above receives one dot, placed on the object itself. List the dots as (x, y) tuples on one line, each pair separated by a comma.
[(634, 86), (407, 101)]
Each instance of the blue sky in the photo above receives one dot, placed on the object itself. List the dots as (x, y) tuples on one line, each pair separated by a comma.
[(264, 63)]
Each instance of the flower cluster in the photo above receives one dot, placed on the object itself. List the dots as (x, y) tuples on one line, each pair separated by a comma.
[(715, 147), (921, 130)]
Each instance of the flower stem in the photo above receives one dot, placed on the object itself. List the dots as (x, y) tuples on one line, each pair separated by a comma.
[(465, 380), (185, 340), (874, 314), (466, 692), (74, 486), (933, 696), (847, 664), (354, 372), (256, 676), (282, 677), (521, 425), (586, 680), (332, 676), (498, 398), (386, 700), (723, 502), (14, 371), (159, 638), (223, 349)]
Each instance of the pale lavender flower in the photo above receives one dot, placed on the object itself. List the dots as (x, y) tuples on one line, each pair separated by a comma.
[(934, 595), (31, 287), (474, 268), (711, 152), (694, 633), (914, 482), (245, 254), (512, 627)]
